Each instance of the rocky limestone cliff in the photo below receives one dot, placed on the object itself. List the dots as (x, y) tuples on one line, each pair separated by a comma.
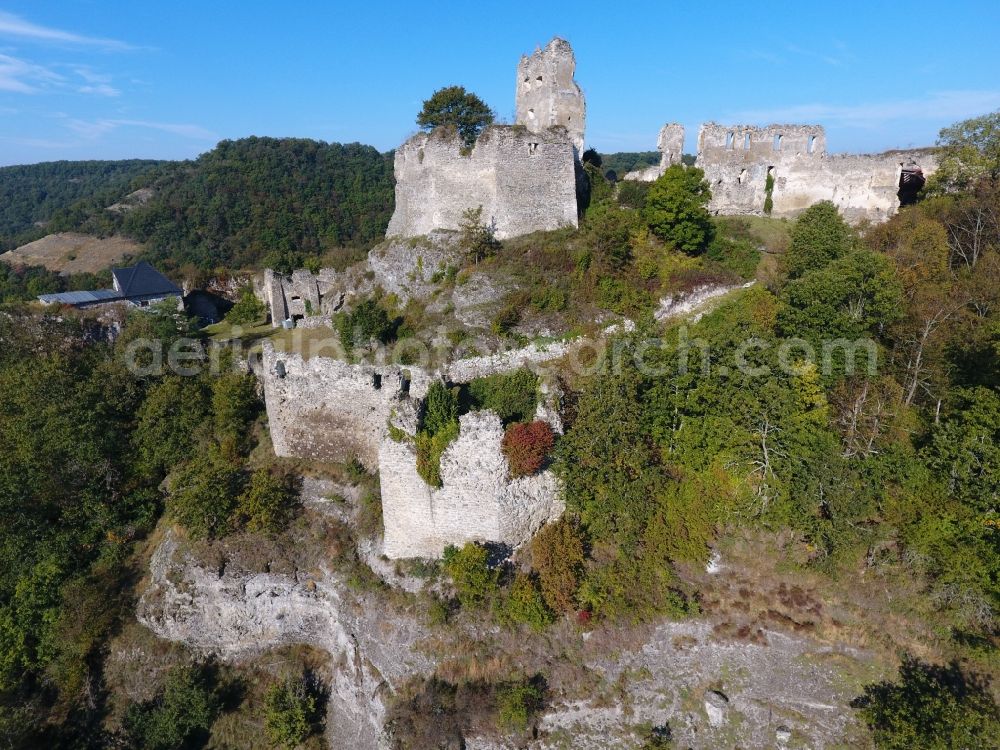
[(238, 614)]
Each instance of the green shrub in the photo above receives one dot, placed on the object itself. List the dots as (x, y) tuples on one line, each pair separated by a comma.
[(367, 322), (235, 405), (439, 426), (512, 395), (290, 713), (204, 493), (186, 709), (517, 705), (505, 320), (268, 503), (819, 236), (524, 603), (676, 209), (248, 309), (609, 230), (930, 707), (475, 581)]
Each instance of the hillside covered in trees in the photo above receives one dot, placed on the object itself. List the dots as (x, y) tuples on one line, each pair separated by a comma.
[(32, 194), (246, 203)]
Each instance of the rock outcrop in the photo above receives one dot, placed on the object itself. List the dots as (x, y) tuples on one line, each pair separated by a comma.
[(237, 615)]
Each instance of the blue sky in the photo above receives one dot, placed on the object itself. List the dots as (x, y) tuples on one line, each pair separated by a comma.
[(106, 79)]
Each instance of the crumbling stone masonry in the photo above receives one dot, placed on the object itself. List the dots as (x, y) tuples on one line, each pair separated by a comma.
[(327, 410), (524, 181), (524, 175), (739, 159), (670, 144), (547, 94)]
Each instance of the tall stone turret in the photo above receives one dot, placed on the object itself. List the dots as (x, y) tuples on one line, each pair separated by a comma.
[(548, 95)]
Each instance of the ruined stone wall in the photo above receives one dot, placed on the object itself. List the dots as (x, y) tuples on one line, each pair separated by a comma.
[(524, 181), (323, 409), (325, 292), (670, 144), (547, 95), (737, 160), (477, 502)]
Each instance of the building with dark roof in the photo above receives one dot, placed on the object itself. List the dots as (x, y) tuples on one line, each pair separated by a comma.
[(140, 285)]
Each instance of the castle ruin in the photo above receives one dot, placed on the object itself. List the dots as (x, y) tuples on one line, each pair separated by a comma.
[(523, 175), (548, 95), (746, 165)]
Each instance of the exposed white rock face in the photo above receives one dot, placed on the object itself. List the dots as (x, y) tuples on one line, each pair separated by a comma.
[(525, 182), (548, 95), (680, 305), (406, 267), (716, 705), (236, 615), (477, 502)]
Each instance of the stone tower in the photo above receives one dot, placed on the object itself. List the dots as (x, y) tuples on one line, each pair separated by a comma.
[(547, 94)]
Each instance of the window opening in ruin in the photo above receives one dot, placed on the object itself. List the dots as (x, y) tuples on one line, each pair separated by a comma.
[(743, 175), (531, 114), (404, 382), (811, 146), (377, 381), (729, 141), (537, 79), (777, 142), (746, 142), (532, 147)]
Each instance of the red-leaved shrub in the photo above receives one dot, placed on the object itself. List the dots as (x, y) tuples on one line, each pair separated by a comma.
[(526, 446)]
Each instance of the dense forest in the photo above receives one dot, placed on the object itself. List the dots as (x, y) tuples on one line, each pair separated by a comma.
[(246, 203), (34, 193), (255, 202)]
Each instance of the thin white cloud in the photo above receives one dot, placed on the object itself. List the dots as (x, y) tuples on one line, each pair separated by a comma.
[(99, 89), (935, 107), (23, 77), (15, 26), (94, 129)]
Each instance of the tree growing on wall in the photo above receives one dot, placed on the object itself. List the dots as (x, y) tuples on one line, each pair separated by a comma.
[(454, 106)]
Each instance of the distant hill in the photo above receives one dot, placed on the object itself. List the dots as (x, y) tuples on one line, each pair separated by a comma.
[(627, 161), (34, 193), (253, 202)]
